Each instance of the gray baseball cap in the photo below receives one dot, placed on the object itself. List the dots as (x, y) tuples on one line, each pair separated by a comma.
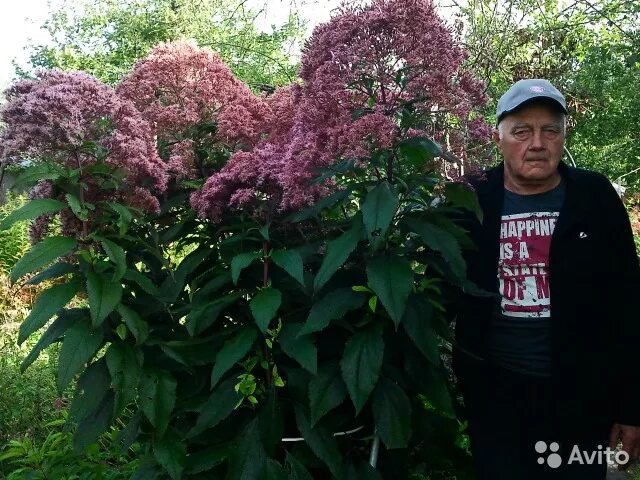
[(525, 90)]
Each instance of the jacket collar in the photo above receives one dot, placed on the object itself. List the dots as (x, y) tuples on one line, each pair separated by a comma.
[(491, 195)]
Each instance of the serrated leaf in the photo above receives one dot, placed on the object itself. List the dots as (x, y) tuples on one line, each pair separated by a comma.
[(232, 351), (171, 453), (332, 306), (48, 303), (157, 397), (135, 323), (240, 262), (104, 295), (418, 323), (264, 306), (392, 414), (219, 406), (326, 391), (249, 458), (360, 364), (338, 251), (271, 423), (42, 254), (391, 278), (418, 150), (203, 315), (291, 262), (441, 241), (173, 285), (203, 460), (80, 344), (463, 196), (54, 271), (299, 347), (116, 255), (35, 173), (57, 328), (30, 210), (124, 363), (321, 442), (297, 469), (378, 209), (142, 281), (91, 427), (76, 207), (91, 388), (128, 435)]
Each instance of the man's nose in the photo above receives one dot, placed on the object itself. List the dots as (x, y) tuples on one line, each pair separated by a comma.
[(537, 141)]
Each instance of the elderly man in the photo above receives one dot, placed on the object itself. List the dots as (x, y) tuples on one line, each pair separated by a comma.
[(546, 364)]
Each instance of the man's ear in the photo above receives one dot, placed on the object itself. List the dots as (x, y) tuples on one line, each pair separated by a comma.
[(496, 137)]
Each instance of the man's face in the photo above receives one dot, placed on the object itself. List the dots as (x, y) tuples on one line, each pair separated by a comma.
[(531, 141)]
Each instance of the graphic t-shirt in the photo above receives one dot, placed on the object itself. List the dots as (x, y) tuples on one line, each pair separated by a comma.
[(519, 338)]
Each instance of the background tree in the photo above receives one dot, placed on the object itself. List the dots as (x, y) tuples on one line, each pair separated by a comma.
[(106, 37), (589, 49)]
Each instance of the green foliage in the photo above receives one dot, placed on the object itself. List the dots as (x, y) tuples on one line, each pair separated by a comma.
[(106, 37), (14, 241), (54, 456)]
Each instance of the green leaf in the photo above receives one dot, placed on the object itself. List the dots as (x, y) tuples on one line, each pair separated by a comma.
[(249, 458), (441, 241), (418, 150), (321, 442), (157, 397), (30, 210), (463, 196), (326, 391), (91, 427), (361, 363), (379, 208), (80, 344), (332, 306), (171, 453), (392, 414), (91, 388), (320, 205), (297, 469), (274, 471), (203, 315), (291, 262), (65, 319), (104, 295), (240, 262), (116, 255), (124, 363), (76, 207), (135, 323), (232, 351), (142, 281), (219, 406), (128, 435), (203, 460), (264, 306), (338, 251), (431, 380), (299, 347), (48, 303), (271, 423), (173, 285), (42, 254), (35, 173), (418, 323), (391, 278), (54, 271)]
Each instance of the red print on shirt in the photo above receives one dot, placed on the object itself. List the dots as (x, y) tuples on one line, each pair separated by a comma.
[(523, 266)]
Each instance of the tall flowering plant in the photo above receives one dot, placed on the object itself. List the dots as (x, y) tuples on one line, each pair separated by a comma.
[(266, 277)]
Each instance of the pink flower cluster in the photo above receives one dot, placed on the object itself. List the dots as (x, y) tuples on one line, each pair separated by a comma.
[(74, 120), (359, 71), (179, 86)]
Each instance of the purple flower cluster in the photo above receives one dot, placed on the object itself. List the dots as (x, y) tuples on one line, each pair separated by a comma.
[(359, 71)]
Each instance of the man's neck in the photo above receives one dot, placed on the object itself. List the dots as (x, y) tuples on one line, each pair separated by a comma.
[(531, 187)]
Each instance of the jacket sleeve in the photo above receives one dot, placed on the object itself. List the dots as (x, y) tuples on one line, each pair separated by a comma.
[(624, 296)]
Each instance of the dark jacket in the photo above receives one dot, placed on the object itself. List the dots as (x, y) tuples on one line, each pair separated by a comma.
[(595, 295)]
